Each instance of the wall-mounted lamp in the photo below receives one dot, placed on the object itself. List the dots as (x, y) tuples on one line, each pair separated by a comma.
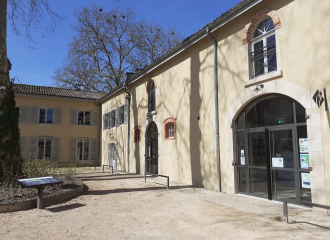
[(258, 87)]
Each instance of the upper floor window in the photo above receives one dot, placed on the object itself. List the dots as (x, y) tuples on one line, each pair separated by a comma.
[(263, 46), (45, 115), (137, 134), (121, 115), (152, 96), (84, 118)]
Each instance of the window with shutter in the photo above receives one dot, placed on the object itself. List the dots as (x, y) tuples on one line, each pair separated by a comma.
[(73, 116), (93, 149), (117, 116), (57, 116), (55, 149), (95, 118), (23, 114), (125, 112), (137, 134), (22, 143), (34, 115), (73, 149), (33, 148), (109, 120)]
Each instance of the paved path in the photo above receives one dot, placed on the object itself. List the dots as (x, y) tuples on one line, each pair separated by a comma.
[(122, 206)]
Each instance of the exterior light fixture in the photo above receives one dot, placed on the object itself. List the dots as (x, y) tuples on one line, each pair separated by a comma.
[(257, 87)]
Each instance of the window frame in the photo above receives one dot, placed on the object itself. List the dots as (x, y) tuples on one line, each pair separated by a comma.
[(137, 134), (44, 148), (167, 123), (46, 116), (263, 38), (84, 117), (83, 147), (121, 116), (152, 95)]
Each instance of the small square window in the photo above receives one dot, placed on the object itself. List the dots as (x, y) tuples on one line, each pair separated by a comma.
[(84, 118), (45, 115)]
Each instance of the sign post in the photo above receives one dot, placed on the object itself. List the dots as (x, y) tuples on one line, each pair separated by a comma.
[(39, 183)]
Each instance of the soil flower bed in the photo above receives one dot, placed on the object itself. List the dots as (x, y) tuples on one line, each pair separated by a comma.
[(13, 194)]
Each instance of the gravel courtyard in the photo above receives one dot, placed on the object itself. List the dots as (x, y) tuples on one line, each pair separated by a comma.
[(122, 206)]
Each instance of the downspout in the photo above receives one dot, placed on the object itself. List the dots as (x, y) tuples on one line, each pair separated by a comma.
[(215, 44), (100, 135), (128, 97)]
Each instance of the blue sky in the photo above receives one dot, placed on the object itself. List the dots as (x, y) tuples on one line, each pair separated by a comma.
[(36, 66)]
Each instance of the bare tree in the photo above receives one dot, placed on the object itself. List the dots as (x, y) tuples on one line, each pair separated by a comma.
[(110, 44), (24, 16)]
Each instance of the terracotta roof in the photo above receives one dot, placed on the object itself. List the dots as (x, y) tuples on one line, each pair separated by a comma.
[(201, 32), (56, 92)]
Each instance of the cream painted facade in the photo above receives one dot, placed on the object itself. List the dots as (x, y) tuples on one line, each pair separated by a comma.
[(184, 82), (61, 133)]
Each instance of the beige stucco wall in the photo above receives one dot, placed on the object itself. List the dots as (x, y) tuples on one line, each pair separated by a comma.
[(185, 91), (65, 131)]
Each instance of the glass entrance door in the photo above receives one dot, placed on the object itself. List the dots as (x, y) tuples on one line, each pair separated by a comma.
[(151, 163)]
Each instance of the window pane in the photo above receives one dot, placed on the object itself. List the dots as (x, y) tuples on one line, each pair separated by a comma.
[(269, 111), (300, 113), (258, 182), (80, 118), (48, 148), (87, 118), (257, 149), (258, 58), (86, 149), (240, 121), (80, 150), (241, 148), (49, 115), (41, 146), (242, 179), (42, 115), (171, 130), (284, 184), (271, 53)]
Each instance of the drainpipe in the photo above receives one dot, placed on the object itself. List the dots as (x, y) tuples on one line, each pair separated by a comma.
[(100, 134), (128, 97), (215, 44)]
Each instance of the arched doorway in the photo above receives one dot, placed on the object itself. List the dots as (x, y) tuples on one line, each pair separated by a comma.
[(151, 163), (272, 149)]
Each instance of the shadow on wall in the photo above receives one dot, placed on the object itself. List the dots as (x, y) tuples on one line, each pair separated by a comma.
[(135, 123)]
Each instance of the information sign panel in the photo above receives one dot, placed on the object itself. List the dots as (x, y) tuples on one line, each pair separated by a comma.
[(277, 162), (38, 182), (305, 180)]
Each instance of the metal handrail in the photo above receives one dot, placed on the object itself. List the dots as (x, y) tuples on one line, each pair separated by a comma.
[(108, 166), (285, 207), (157, 175)]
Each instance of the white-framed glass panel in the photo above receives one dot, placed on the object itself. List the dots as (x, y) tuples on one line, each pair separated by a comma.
[(263, 53), (82, 149), (84, 118), (44, 148), (45, 115), (171, 130)]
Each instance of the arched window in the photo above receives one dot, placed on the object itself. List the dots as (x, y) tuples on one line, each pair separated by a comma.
[(170, 129), (152, 97), (263, 53)]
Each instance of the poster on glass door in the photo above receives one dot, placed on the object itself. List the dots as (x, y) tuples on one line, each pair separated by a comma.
[(304, 161), (277, 162), (303, 145), (305, 180)]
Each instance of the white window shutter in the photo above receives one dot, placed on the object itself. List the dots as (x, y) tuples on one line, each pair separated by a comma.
[(93, 149), (109, 120), (73, 149), (57, 116), (56, 149), (125, 112), (22, 142), (34, 115), (33, 148), (73, 117), (95, 118), (23, 114), (117, 117)]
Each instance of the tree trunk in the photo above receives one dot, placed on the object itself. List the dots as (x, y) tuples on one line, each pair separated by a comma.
[(4, 62)]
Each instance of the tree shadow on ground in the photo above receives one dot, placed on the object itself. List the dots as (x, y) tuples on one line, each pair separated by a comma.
[(124, 190), (108, 174), (102, 179), (65, 208)]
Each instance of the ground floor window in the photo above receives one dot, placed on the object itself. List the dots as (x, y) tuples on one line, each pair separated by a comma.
[(44, 148), (83, 149)]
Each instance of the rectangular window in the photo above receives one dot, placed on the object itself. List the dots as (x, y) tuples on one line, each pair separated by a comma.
[(121, 115), (137, 135), (82, 149), (44, 148), (45, 115), (84, 118), (152, 101)]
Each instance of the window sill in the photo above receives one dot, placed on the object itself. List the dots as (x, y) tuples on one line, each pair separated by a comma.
[(169, 139), (151, 113), (263, 78)]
